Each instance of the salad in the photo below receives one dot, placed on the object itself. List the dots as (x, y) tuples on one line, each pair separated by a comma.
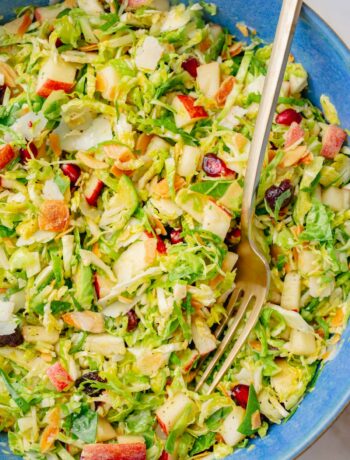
[(125, 130)]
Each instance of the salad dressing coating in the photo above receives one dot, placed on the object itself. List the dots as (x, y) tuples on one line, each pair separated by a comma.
[(124, 136)]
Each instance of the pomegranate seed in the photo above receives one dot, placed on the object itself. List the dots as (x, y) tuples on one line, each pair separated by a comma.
[(30, 124), (71, 171), (190, 65), (58, 43), (25, 153), (175, 236), (275, 191), (288, 116), (214, 167), (164, 456), (133, 321), (161, 247), (240, 394)]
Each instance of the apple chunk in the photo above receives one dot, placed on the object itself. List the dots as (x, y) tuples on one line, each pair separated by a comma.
[(208, 79), (135, 451), (54, 75), (171, 410), (18, 26), (7, 154), (49, 13), (186, 110)]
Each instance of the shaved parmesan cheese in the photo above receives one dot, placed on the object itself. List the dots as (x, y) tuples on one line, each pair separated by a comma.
[(148, 54), (232, 118), (293, 319), (30, 125), (99, 131), (51, 191), (176, 18), (6, 310)]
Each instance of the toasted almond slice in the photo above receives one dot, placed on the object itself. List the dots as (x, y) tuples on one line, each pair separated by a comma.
[(90, 161), (143, 142), (51, 431), (224, 90), (9, 74), (55, 144)]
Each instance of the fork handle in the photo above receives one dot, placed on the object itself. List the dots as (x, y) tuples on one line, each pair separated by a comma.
[(280, 52)]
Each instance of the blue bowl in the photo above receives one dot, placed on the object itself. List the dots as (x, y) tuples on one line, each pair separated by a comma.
[(327, 60)]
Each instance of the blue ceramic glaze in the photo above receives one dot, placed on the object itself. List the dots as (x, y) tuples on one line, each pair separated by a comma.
[(327, 60)]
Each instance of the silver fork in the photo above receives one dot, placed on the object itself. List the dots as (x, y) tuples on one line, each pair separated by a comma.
[(253, 272)]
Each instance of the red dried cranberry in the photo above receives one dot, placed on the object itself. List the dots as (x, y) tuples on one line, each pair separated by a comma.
[(213, 166), (190, 65), (288, 116), (71, 171), (161, 247), (240, 394), (12, 340), (274, 192), (175, 236), (58, 42), (28, 152), (87, 383), (133, 321)]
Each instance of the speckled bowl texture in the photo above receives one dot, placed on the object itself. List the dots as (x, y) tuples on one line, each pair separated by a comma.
[(327, 60)]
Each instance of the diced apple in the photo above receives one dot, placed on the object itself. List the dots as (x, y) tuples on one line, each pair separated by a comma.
[(291, 291), (335, 198), (93, 190), (107, 82), (208, 79), (18, 26), (297, 84), (105, 431), (229, 428), (35, 334), (102, 284), (135, 451), (188, 161), (204, 340), (55, 75), (88, 321), (229, 261), (301, 343), (216, 220), (59, 377), (105, 344), (137, 257), (307, 262), (148, 54), (7, 154), (186, 111), (189, 358), (332, 141), (171, 410), (48, 13), (294, 134)]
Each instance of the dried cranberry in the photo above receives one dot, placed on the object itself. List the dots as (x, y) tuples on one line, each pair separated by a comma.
[(71, 171), (161, 247), (213, 166), (190, 65), (240, 394), (87, 382), (175, 236), (274, 192), (12, 340), (133, 321), (288, 116), (28, 152), (2, 93)]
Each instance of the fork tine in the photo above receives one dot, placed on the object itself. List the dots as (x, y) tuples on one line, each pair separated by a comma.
[(251, 321), (233, 299), (226, 340)]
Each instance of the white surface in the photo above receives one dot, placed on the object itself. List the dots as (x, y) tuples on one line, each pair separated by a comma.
[(337, 14), (335, 444)]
